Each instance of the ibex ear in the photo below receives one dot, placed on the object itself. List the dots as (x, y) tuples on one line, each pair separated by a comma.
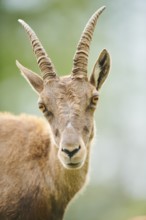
[(34, 80), (100, 70)]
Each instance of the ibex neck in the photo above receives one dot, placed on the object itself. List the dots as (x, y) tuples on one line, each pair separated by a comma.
[(66, 182)]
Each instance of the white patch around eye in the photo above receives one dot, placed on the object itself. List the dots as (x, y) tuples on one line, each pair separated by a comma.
[(97, 71)]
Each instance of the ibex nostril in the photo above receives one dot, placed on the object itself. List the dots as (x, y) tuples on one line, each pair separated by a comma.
[(71, 153)]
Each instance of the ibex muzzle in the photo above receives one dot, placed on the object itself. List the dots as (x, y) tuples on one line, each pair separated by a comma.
[(72, 152)]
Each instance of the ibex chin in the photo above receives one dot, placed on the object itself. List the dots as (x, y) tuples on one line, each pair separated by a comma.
[(44, 163)]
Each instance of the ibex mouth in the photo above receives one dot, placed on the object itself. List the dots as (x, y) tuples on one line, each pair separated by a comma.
[(74, 165)]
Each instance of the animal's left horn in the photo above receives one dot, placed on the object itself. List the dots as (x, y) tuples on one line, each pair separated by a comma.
[(44, 62), (80, 61)]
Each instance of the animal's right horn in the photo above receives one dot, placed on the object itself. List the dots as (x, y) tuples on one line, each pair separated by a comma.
[(44, 62), (81, 55)]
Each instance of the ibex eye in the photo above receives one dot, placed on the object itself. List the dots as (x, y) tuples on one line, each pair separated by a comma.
[(42, 107), (95, 99)]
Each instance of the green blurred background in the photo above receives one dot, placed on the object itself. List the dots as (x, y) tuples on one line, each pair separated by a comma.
[(117, 186)]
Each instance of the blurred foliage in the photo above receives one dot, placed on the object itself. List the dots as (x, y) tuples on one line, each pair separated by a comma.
[(100, 202), (117, 189)]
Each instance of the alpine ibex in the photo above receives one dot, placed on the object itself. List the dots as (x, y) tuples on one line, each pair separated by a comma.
[(44, 163)]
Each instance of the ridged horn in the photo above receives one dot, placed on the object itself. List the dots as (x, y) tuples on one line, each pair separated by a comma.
[(44, 62), (80, 61)]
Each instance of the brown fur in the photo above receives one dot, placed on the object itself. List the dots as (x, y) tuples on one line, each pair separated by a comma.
[(44, 163), (33, 182)]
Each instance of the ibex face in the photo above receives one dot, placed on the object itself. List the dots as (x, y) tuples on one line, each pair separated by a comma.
[(68, 103)]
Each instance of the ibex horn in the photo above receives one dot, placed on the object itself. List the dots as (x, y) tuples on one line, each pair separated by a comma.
[(80, 61), (44, 62)]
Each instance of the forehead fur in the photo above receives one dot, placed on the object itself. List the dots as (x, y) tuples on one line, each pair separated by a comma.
[(67, 89), (68, 99)]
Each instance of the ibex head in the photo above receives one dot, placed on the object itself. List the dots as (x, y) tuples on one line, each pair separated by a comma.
[(69, 102)]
